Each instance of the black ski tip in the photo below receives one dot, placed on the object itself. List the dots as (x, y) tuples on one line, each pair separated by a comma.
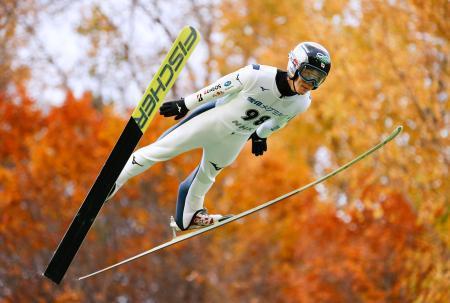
[(54, 279), (54, 273)]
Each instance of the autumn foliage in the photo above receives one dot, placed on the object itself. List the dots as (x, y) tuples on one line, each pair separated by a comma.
[(378, 232)]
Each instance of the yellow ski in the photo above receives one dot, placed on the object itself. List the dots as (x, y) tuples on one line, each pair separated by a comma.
[(139, 121)]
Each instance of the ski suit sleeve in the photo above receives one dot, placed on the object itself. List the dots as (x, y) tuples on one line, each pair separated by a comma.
[(270, 126), (229, 84)]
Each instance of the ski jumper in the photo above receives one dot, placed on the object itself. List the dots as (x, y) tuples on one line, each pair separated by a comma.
[(249, 101)]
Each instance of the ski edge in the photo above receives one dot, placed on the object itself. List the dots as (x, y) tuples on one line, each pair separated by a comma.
[(184, 237)]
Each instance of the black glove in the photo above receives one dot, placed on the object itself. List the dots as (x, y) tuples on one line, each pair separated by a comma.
[(175, 108), (259, 145)]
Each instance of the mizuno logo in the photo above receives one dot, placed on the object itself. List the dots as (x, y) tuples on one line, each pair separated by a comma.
[(217, 168), (179, 108), (135, 163), (263, 88), (237, 78)]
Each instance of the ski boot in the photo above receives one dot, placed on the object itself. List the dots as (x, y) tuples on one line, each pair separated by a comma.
[(201, 219)]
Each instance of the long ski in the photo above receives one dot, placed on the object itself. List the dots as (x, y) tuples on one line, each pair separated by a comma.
[(253, 210), (138, 123)]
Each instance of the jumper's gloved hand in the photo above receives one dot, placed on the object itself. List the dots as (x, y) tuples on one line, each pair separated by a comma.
[(175, 108), (259, 145)]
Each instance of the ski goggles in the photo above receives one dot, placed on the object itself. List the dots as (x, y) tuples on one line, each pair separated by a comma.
[(311, 74)]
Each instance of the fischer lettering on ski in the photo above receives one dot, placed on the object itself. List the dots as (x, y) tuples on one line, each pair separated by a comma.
[(164, 79), (138, 123)]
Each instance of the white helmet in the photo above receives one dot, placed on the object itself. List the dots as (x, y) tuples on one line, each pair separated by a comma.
[(311, 61)]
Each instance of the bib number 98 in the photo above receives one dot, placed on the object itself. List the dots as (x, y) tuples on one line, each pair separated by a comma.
[(252, 114)]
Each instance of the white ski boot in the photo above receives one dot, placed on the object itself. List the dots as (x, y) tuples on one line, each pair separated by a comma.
[(201, 219)]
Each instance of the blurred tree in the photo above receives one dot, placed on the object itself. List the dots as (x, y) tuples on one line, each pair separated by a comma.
[(49, 161), (390, 66), (377, 233), (112, 49)]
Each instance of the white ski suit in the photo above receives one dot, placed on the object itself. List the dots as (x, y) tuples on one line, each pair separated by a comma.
[(249, 101)]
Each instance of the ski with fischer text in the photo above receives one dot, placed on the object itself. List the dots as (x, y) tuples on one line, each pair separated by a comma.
[(138, 123)]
